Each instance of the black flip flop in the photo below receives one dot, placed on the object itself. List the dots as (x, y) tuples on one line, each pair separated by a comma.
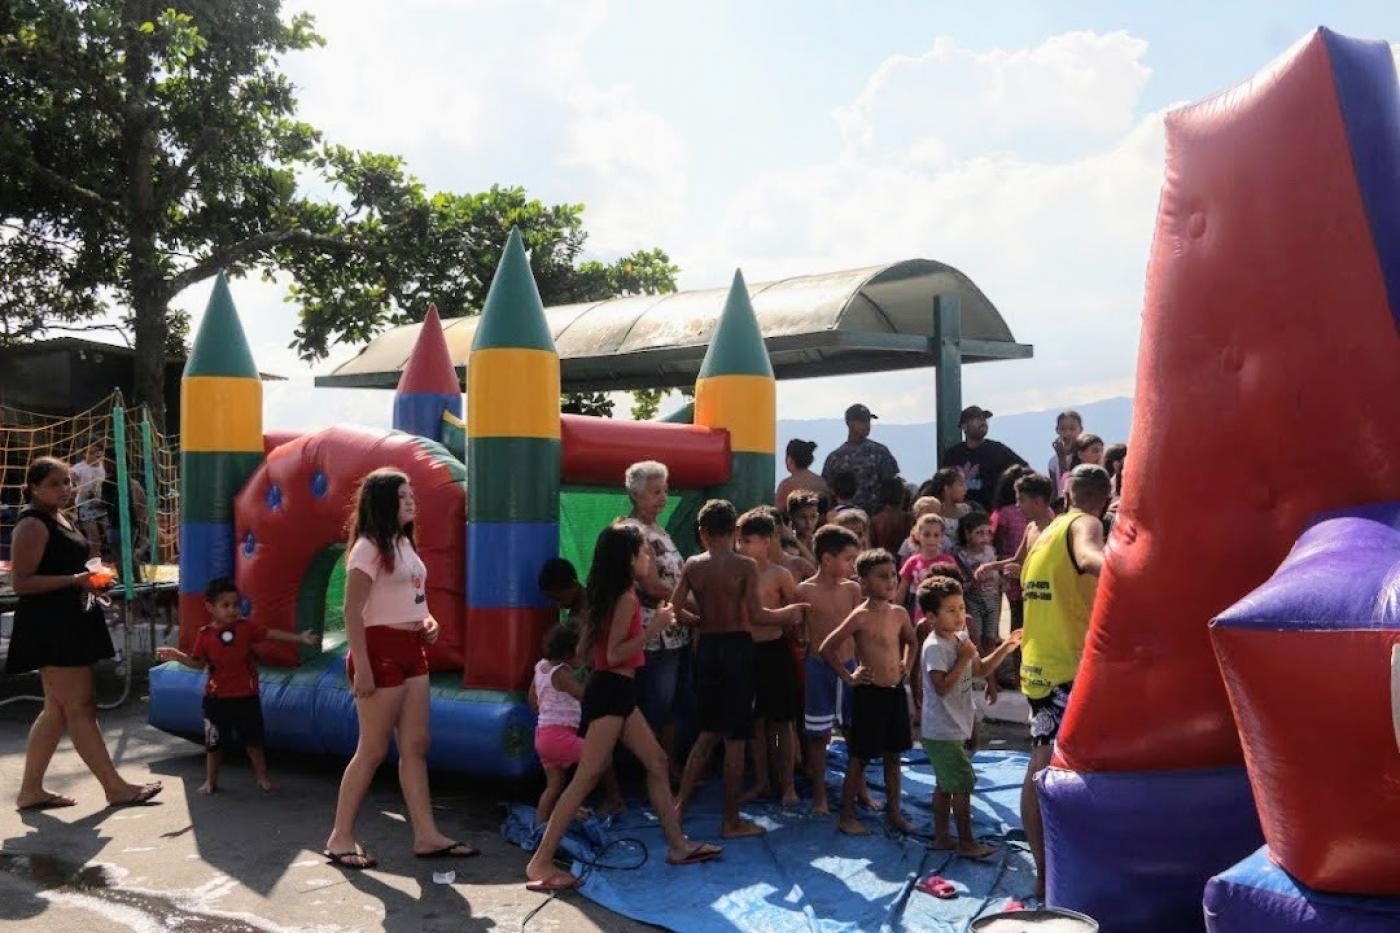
[(142, 798), (448, 851), (703, 852), (342, 859)]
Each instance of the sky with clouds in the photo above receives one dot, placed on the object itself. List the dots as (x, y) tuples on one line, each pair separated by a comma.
[(1020, 142)]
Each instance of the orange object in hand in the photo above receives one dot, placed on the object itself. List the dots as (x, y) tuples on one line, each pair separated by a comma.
[(104, 576)]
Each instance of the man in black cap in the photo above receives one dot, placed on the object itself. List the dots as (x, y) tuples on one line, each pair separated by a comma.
[(870, 461), (980, 460)]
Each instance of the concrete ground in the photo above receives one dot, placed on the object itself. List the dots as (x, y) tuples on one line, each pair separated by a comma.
[(243, 860)]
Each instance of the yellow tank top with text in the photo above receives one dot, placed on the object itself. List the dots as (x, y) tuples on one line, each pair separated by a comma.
[(1058, 600)]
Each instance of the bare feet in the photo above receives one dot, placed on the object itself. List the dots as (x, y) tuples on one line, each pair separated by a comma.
[(44, 800), (870, 803), (976, 850), (820, 809), (819, 802), (852, 826), (790, 798), (267, 784), (208, 788), (740, 829), (896, 821), (943, 843)]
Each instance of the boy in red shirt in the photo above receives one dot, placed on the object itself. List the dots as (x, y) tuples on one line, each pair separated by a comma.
[(231, 704)]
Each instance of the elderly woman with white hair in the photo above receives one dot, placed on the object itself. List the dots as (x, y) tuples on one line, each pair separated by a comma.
[(664, 684)]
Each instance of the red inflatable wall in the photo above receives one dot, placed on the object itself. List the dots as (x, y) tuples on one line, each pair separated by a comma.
[(598, 451), (1267, 388), (298, 503)]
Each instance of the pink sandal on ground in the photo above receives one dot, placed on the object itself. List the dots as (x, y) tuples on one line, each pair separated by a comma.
[(936, 886)]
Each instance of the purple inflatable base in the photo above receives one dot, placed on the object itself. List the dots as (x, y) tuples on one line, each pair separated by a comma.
[(1134, 850), (1257, 896)]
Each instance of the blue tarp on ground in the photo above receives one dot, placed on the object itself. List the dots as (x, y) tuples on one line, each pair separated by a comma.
[(804, 874)]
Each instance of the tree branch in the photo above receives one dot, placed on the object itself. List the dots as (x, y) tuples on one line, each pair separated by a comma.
[(70, 186), (27, 234), (223, 257)]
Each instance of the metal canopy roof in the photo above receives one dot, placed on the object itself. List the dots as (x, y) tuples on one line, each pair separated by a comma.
[(862, 320)]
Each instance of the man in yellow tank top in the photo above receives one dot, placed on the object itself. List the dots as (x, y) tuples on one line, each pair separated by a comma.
[(1058, 580)]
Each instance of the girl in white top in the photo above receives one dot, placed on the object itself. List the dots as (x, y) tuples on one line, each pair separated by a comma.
[(555, 695), (387, 625)]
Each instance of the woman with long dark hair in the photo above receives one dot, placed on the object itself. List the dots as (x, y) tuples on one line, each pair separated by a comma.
[(61, 635), (614, 635), (387, 625)]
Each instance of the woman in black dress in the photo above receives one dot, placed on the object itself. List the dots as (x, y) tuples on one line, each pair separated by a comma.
[(57, 635)]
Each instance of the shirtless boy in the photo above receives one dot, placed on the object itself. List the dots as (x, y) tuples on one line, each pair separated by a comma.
[(776, 705), (884, 640), (726, 588), (832, 595)]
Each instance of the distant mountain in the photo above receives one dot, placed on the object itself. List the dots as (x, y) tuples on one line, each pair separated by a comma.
[(1027, 433)]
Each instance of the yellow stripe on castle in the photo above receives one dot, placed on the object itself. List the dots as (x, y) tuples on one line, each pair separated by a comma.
[(747, 406), (513, 393), (221, 414)]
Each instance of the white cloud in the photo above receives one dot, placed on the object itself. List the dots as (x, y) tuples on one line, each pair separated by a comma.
[(1071, 91)]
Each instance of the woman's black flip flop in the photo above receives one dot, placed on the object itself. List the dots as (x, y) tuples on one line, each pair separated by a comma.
[(449, 851)]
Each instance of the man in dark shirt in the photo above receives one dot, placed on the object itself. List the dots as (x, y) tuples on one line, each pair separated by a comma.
[(980, 460), (870, 461)]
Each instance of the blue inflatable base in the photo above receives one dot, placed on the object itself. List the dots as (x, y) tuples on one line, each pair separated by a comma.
[(310, 709), (1257, 896), (804, 874), (1134, 849)]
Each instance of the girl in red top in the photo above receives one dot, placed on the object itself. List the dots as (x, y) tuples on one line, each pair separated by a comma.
[(387, 624), (614, 629)]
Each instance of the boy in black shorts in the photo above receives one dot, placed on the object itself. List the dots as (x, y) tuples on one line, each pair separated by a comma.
[(726, 588), (884, 641), (776, 702), (231, 705)]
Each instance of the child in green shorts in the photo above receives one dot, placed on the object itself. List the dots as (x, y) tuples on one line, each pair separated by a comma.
[(949, 661)]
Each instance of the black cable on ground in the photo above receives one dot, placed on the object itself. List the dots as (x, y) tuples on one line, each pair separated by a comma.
[(589, 865)]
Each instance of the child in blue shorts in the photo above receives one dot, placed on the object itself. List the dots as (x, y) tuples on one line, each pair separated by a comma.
[(949, 661), (831, 595)]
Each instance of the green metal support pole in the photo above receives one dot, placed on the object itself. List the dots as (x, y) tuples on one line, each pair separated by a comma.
[(123, 496), (152, 493), (947, 335)]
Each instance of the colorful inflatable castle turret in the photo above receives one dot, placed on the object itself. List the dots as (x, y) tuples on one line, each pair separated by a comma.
[(1268, 392), (498, 493)]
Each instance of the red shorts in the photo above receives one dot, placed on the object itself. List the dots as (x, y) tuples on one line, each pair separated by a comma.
[(395, 655)]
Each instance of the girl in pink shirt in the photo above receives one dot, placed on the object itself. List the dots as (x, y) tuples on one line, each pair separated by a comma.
[(928, 530), (387, 624)]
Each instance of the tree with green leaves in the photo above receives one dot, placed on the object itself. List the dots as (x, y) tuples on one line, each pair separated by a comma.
[(146, 145)]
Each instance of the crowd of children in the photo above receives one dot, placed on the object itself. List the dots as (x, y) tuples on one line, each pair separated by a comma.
[(817, 617)]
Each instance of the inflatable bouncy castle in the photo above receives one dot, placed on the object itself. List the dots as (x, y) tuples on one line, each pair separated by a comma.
[(499, 492), (1266, 432)]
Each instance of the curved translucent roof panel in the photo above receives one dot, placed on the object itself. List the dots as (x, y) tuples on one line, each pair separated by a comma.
[(862, 320)]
